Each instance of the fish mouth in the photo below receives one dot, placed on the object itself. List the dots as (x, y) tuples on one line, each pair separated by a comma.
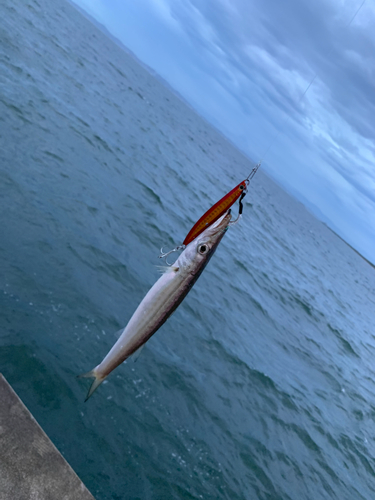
[(219, 226), (214, 233)]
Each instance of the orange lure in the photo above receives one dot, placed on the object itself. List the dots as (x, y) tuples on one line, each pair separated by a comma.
[(215, 212)]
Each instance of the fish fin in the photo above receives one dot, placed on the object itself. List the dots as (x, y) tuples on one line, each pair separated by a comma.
[(96, 382), (167, 269), (134, 357)]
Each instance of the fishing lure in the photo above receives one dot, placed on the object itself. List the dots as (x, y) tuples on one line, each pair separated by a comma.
[(216, 211)]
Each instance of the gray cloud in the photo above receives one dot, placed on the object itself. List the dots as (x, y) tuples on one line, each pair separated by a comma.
[(244, 64)]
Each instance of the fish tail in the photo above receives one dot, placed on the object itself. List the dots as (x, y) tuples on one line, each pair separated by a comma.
[(98, 379)]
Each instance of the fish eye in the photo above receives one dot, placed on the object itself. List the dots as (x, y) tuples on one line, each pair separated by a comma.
[(241, 187), (202, 249)]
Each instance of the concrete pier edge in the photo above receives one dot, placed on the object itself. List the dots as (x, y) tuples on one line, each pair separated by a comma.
[(31, 467)]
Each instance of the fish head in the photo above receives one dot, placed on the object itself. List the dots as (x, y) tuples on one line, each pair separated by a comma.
[(201, 249)]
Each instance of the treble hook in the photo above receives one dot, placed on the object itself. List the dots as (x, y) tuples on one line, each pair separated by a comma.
[(165, 255)]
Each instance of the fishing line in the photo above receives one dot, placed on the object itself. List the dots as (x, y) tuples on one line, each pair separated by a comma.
[(223, 205), (277, 135)]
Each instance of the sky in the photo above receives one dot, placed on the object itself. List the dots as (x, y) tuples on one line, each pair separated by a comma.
[(245, 66)]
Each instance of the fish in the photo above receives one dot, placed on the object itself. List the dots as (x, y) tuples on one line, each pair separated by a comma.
[(162, 299)]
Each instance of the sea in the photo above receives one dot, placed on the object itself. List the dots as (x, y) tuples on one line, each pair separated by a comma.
[(261, 386)]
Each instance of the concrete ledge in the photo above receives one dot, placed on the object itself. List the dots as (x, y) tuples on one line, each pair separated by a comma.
[(31, 468)]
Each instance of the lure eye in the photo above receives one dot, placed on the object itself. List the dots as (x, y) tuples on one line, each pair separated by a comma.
[(241, 187), (202, 249)]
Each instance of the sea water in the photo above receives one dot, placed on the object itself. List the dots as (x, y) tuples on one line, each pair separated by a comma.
[(261, 385)]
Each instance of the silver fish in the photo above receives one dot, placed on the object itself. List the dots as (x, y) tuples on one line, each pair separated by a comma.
[(162, 299)]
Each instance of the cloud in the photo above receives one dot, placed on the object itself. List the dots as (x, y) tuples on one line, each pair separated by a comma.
[(163, 10), (245, 65)]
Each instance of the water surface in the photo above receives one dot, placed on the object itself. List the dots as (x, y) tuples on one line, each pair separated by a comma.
[(261, 385)]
